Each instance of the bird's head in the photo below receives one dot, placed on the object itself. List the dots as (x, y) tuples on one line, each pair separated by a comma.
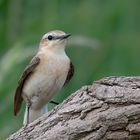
[(54, 40)]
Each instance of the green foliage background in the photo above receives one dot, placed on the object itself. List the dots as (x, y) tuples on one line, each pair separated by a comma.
[(109, 29)]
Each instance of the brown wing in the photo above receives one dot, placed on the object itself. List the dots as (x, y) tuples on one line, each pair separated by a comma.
[(70, 73), (27, 72)]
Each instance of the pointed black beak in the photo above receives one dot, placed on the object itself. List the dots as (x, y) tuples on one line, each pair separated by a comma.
[(63, 36)]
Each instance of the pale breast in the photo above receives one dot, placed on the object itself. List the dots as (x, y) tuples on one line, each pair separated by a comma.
[(47, 80)]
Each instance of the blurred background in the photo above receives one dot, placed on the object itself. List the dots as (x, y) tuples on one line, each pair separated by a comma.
[(105, 42)]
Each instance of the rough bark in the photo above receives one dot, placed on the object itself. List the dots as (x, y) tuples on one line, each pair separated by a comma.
[(107, 110)]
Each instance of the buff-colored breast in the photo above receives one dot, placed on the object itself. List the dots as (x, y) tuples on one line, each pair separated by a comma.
[(47, 79)]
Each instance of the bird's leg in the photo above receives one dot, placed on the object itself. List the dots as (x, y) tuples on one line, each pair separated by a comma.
[(28, 107), (53, 102), (28, 111)]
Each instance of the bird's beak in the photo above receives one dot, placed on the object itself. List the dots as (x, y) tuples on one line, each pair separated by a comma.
[(63, 36)]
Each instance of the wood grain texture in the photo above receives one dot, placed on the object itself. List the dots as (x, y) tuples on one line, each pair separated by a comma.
[(107, 110)]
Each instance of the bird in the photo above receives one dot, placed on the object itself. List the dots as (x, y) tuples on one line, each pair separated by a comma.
[(48, 71)]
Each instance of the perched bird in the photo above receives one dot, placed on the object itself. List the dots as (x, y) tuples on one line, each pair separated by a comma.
[(49, 70)]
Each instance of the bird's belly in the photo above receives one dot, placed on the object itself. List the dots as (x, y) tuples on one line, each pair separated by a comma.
[(43, 85)]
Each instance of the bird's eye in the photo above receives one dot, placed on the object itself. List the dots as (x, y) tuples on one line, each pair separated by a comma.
[(50, 37)]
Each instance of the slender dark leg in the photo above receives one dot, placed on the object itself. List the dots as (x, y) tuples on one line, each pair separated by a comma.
[(28, 112), (28, 108), (53, 102)]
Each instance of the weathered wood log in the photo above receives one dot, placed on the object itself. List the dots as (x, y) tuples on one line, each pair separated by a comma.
[(107, 110)]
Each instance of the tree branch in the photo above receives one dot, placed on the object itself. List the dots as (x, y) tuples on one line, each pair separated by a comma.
[(107, 110)]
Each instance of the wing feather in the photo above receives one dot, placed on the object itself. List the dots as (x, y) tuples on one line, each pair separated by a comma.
[(70, 73), (26, 73)]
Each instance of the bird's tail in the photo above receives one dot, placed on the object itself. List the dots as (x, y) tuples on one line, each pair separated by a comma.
[(33, 114)]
